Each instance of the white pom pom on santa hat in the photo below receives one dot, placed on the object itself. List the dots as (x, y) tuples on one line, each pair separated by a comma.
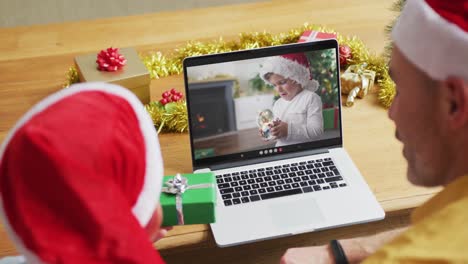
[(433, 35)]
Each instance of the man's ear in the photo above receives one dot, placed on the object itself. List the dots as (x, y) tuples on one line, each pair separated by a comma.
[(455, 95)]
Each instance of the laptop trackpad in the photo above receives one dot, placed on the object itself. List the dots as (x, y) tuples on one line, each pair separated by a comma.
[(296, 214)]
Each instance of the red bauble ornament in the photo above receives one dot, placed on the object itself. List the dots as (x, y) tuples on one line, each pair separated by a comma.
[(171, 95), (110, 60), (345, 54)]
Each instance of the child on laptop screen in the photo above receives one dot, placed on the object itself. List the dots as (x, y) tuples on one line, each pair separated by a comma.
[(298, 111)]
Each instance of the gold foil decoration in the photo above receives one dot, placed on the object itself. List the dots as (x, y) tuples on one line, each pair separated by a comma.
[(72, 77), (356, 81), (386, 90), (171, 117)]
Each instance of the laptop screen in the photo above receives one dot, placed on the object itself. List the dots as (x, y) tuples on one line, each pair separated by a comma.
[(263, 102)]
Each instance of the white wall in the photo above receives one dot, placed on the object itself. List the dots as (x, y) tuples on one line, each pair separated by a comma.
[(31, 12), (242, 70), (246, 107)]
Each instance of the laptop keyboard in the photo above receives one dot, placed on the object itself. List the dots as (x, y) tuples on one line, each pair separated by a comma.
[(278, 181)]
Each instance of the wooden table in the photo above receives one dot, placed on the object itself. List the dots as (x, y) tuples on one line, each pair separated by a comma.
[(33, 62)]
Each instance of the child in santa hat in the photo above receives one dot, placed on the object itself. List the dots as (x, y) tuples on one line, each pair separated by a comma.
[(80, 178), (299, 108)]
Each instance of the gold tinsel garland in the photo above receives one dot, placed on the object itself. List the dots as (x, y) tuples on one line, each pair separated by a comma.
[(72, 77), (171, 117), (174, 118)]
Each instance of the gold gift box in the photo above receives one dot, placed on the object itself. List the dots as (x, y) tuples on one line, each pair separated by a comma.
[(133, 76), (356, 81)]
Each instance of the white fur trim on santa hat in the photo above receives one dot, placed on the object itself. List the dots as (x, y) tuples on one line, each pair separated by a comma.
[(437, 47), (288, 69)]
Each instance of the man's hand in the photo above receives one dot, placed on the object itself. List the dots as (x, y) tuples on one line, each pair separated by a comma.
[(356, 249), (279, 129), (153, 228), (161, 233), (355, 253), (318, 255)]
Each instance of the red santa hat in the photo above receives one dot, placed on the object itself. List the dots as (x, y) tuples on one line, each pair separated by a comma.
[(433, 35), (80, 178), (294, 66)]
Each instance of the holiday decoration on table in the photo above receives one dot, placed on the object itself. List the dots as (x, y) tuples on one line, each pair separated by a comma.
[(118, 66), (110, 60), (171, 96), (312, 35), (188, 199), (265, 120), (386, 86), (169, 114), (356, 81), (345, 55), (397, 7), (72, 77)]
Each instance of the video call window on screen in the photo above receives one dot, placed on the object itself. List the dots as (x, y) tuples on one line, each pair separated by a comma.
[(263, 104)]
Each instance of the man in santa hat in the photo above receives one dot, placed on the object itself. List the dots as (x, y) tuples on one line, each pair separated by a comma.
[(429, 66), (80, 178)]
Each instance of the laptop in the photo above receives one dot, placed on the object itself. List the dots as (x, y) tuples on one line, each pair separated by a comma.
[(271, 187)]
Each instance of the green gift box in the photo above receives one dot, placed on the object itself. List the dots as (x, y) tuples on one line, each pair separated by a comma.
[(330, 118), (196, 194)]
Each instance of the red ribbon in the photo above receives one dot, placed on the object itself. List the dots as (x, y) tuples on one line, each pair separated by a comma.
[(110, 60)]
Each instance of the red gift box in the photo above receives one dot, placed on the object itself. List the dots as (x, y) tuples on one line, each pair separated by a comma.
[(312, 35)]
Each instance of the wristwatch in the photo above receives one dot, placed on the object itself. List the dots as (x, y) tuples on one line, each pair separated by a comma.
[(338, 252)]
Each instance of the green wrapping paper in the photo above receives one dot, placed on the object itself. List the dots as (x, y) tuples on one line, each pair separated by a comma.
[(330, 118), (197, 193)]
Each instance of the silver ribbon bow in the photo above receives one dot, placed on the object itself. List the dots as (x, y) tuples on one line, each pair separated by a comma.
[(178, 185)]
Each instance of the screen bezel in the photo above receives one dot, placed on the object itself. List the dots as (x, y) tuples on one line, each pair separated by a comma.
[(254, 54)]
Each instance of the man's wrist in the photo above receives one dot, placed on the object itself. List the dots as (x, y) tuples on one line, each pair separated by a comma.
[(354, 251), (338, 253)]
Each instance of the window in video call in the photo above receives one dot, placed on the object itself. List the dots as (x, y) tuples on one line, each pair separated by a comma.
[(263, 105)]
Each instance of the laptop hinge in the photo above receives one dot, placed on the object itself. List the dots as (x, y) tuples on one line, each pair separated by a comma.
[(266, 159)]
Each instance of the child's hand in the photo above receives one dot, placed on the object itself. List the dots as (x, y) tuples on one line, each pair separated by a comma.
[(279, 129), (260, 133)]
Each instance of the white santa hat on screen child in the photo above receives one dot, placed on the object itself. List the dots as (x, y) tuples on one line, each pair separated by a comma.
[(433, 35), (80, 178), (294, 66)]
